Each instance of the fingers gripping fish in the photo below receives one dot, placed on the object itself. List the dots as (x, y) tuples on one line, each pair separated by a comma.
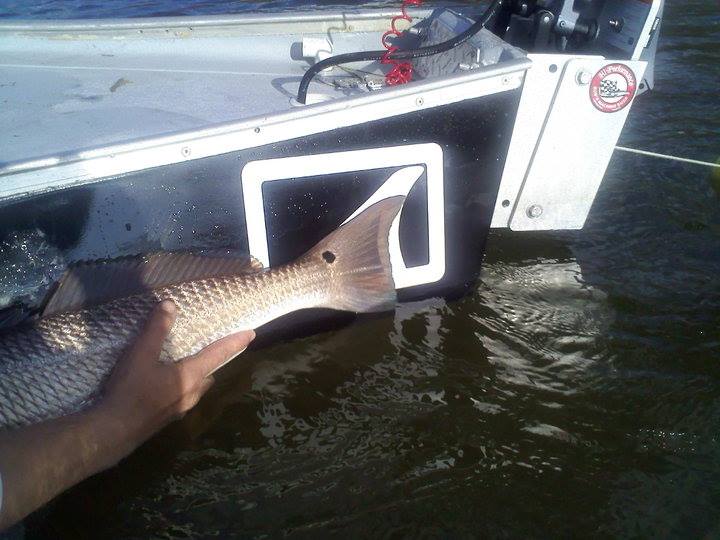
[(57, 364)]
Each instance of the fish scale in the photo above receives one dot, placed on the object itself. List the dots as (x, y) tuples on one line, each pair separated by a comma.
[(58, 364)]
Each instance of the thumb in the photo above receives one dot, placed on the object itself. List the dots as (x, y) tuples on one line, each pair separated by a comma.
[(216, 355), (190, 400)]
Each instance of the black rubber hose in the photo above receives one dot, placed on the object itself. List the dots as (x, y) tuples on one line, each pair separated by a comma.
[(407, 54)]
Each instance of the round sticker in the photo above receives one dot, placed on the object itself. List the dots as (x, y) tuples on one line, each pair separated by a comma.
[(613, 88)]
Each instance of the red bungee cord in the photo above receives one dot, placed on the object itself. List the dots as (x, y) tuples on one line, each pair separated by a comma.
[(401, 72)]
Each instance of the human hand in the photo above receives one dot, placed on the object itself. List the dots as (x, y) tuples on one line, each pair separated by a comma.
[(144, 394)]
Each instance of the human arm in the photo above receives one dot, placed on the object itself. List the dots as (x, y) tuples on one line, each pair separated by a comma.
[(142, 395)]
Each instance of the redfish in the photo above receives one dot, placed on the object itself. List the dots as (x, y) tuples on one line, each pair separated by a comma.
[(57, 364)]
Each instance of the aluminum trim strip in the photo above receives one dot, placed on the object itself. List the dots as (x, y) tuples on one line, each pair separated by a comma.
[(249, 19)]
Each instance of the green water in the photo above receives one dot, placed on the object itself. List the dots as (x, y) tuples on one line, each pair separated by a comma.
[(575, 393)]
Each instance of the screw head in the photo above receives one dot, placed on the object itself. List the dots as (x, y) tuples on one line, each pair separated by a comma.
[(534, 211), (583, 78), (617, 23), (375, 85), (419, 102), (185, 151)]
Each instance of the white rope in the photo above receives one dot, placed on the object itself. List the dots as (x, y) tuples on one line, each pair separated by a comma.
[(665, 156)]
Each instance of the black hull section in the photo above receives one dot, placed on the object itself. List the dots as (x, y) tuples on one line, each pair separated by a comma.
[(198, 205)]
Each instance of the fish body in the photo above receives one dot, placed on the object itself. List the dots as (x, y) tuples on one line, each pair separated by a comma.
[(58, 364)]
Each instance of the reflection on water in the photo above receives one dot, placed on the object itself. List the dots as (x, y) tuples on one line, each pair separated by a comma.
[(541, 323)]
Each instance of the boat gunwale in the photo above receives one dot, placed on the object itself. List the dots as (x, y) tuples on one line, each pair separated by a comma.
[(23, 178), (205, 21)]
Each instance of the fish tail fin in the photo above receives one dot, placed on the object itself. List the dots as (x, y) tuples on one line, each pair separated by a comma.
[(357, 256)]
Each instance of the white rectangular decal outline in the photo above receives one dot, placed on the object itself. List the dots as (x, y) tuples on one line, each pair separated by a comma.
[(257, 173)]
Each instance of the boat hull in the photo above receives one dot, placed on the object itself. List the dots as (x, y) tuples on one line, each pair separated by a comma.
[(287, 195)]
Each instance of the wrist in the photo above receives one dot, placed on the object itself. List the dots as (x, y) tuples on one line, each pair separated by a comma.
[(117, 431)]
